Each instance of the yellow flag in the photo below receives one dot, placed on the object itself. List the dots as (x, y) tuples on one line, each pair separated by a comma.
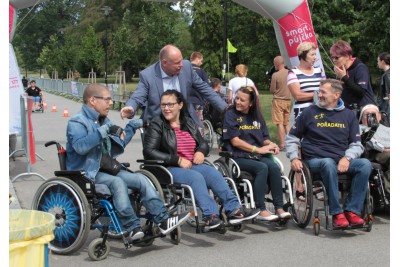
[(231, 48)]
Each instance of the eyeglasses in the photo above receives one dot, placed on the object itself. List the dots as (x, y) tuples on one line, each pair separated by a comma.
[(107, 99), (170, 105), (335, 57)]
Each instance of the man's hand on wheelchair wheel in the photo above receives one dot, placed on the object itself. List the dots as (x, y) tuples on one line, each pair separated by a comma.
[(296, 165)]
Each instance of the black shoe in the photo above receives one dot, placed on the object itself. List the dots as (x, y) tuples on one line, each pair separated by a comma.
[(135, 234), (243, 214), (172, 222), (211, 221), (301, 195)]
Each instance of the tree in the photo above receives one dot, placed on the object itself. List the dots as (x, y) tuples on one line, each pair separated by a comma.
[(38, 23), (90, 53)]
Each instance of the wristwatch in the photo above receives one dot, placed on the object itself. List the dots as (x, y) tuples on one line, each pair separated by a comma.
[(348, 158)]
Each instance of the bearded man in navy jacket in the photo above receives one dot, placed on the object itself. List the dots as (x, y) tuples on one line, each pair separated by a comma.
[(330, 141)]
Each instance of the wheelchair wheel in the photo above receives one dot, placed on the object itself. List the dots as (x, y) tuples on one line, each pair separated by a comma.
[(208, 133), (154, 181), (222, 167), (97, 251), (176, 235), (67, 202), (302, 209)]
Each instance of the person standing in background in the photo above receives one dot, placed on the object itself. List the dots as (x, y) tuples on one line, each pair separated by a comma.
[(198, 101), (281, 100), (304, 79), (239, 81), (170, 72), (357, 88), (383, 99)]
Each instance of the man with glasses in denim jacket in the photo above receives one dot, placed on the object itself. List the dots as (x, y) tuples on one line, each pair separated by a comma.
[(91, 135)]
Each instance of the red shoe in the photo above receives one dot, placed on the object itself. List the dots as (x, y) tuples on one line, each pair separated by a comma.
[(353, 218), (340, 221)]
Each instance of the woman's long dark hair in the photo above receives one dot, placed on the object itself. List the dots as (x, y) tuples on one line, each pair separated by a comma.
[(184, 113), (254, 110)]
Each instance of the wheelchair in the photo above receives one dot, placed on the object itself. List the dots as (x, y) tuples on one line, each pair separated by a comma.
[(243, 181), (79, 205), (41, 107), (302, 209), (181, 196)]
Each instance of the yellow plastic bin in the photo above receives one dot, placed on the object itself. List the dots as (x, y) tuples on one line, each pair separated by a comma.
[(30, 232)]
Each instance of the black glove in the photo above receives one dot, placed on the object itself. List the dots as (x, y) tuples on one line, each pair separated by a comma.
[(115, 130)]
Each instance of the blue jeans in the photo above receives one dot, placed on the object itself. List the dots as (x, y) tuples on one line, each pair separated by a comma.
[(266, 173), (359, 169), (150, 198), (201, 178)]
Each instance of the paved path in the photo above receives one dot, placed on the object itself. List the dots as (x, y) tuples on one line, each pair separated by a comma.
[(257, 245)]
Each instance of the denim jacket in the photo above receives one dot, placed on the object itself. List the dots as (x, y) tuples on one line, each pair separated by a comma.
[(85, 135)]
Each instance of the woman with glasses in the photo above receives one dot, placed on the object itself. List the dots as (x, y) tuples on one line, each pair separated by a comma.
[(354, 74), (304, 79), (246, 135), (175, 138)]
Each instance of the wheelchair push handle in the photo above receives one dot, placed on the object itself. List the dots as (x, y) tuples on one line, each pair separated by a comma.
[(62, 154)]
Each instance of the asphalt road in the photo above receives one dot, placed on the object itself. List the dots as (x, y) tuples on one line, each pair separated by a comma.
[(257, 245)]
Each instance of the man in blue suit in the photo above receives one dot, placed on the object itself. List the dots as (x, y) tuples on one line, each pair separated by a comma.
[(170, 72)]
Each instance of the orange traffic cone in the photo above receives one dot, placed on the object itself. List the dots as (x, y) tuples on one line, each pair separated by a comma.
[(54, 109), (66, 112), (44, 105)]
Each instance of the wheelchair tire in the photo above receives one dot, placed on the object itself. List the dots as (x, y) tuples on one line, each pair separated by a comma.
[(208, 134), (97, 251), (154, 181), (302, 210), (222, 167), (176, 235), (66, 201)]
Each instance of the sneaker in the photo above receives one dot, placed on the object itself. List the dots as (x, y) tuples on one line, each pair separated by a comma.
[(340, 221), (243, 214), (353, 218), (135, 234), (319, 193), (301, 195), (172, 222), (211, 221), (270, 218), (284, 215)]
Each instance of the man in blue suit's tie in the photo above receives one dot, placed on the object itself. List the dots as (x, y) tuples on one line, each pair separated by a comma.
[(170, 72)]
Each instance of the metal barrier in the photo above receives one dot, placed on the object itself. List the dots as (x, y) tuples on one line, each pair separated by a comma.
[(67, 88)]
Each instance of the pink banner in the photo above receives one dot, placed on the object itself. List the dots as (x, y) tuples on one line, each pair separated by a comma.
[(296, 28)]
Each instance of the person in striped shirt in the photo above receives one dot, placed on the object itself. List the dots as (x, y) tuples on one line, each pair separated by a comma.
[(304, 79), (175, 138)]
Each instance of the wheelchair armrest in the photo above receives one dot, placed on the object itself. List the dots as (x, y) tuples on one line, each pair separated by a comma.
[(150, 161), (87, 185), (226, 154), (69, 173)]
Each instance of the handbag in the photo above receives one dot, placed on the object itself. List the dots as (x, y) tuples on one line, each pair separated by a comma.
[(109, 165)]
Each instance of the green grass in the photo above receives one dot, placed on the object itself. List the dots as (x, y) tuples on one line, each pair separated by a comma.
[(266, 109)]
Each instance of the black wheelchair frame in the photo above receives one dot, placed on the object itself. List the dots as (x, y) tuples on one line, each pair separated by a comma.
[(302, 210), (80, 205)]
